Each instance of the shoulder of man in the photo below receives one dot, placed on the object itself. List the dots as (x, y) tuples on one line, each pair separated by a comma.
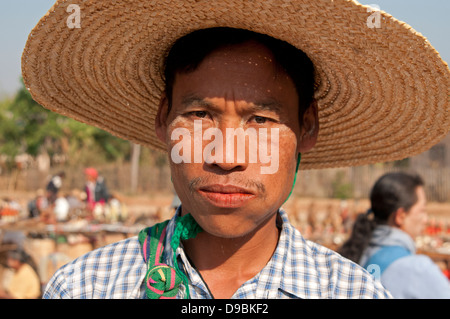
[(332, 276), (416, 276), (112, 271)]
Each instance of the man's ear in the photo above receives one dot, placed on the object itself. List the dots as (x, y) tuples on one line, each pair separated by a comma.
[(310, 128), (161, 118)]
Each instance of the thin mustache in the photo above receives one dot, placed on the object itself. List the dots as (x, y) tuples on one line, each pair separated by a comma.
[(198, 182)]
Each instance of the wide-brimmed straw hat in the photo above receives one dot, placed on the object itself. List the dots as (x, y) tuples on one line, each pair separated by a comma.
[(382, 89)]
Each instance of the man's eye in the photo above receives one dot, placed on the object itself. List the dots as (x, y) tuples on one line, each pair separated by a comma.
[(260, 119), (200, 114)]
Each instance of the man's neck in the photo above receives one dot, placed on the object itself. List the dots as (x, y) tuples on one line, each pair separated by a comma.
[(226, 263)]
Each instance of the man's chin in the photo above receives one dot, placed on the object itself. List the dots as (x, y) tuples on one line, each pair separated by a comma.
[(229, 225)]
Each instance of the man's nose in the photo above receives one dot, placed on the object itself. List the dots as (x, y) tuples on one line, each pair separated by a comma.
[(234, 148), (230, 166)]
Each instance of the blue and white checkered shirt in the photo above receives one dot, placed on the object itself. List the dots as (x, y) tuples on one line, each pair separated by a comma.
[(297, 269)]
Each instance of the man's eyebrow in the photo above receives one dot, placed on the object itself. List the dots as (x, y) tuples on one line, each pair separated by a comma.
[(195, 100), (267, 105), (270, 105)]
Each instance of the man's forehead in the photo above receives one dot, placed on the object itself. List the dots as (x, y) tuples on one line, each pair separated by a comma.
[(248, 68), (252, 53)]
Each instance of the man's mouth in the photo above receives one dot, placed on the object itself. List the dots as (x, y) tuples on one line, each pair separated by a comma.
[(226, 196)]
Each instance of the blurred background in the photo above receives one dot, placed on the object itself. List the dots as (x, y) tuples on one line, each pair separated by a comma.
[(44, 204)]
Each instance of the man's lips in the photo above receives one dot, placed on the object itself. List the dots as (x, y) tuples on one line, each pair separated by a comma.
[(226, 196), (225, 189)]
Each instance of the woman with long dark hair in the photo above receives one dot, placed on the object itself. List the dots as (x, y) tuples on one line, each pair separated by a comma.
[(382, 240)]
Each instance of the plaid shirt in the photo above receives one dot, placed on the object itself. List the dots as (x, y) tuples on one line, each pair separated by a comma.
[(297, 269)]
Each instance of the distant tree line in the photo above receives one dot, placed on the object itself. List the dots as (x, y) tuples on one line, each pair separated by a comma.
[(28, 128)]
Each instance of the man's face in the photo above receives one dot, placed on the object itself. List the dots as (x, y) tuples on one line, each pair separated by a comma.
[(238, 87)]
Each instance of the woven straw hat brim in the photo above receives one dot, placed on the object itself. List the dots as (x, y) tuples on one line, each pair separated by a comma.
[(383, 93)]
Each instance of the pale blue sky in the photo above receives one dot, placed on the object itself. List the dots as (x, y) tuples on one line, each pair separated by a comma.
[(18, 17)]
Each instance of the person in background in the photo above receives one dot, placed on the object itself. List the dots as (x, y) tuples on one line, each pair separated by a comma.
[(53, 187), (95, 188), (382, 240), (38, 204), (25, 282)]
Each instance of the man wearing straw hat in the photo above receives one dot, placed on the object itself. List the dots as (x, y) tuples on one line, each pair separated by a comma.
[(191, 78)]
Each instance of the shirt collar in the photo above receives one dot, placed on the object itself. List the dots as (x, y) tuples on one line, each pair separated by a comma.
[(272, 275)]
